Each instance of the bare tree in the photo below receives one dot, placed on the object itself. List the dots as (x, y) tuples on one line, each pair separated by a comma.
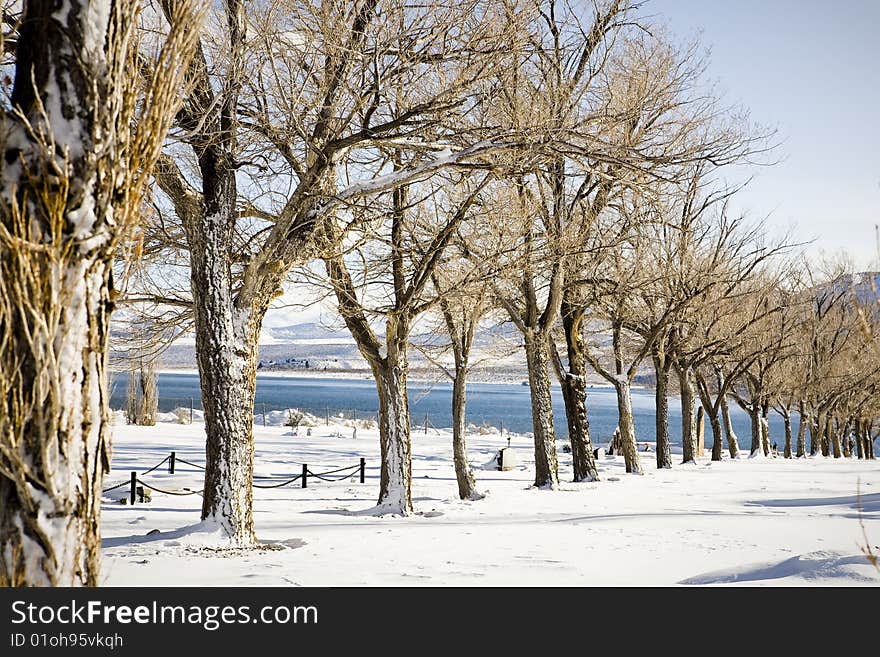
[(331, 89), (390, 281), (463, 309), (79, 139), (553, 85)]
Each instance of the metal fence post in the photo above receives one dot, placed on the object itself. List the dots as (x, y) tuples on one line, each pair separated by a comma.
[(133, 493), (363, 468), (171, 462), (305, 476)]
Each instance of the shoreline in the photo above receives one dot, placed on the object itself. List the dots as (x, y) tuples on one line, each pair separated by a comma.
[(359, 375)]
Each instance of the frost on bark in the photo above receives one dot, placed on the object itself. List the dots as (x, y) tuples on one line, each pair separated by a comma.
[(226, 351), (573, 381), (538, 362), (74, 147), (395, 489), (390, 373)]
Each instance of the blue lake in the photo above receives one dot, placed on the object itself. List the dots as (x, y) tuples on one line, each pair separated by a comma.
[(487, 403)]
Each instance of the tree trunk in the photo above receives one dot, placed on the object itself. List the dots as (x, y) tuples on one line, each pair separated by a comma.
[(61, 214), (732, 441), (717, 437), (757, 435), (55, 433), (786, 451), (826, 436), (802, 430), (627, 428), (467, 485), (538, 361), (765, 429), (701, 430), (816, 425), (844, 439), (834, 438), (395, 488), (860, 439), (226, 351), (661, 401), (688, 419), (574, 393)]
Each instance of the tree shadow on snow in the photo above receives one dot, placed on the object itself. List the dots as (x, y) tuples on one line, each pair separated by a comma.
[(868, 504), (810, 566)]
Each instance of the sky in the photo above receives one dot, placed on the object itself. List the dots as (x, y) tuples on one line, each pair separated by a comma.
[(808, 69)]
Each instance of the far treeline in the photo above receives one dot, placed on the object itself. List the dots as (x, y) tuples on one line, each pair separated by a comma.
[(562, 166)]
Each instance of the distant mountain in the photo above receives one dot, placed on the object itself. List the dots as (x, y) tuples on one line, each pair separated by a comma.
[(310, 331)]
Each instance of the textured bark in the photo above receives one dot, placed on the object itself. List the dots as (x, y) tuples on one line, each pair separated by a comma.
[(627, 428), (55, 455), (661, 417), (467, 485), (732, 440), (538, 361), (226, 349), (226, 352), (802, 431), (56, 285), (574, 394), (860, 439), (688, 420), (77, 150), (395, 487)]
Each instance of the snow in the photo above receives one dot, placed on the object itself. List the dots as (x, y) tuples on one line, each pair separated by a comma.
[(766, 521)]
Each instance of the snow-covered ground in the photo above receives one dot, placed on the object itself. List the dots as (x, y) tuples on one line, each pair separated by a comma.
[(763, 521)]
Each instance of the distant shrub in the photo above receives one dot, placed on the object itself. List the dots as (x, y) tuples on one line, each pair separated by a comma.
[(294, 418)]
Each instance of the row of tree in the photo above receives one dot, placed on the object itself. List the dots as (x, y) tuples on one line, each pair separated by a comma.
[(557, 162)]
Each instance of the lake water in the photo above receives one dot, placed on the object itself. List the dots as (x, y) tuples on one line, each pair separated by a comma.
[(487, 403)]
